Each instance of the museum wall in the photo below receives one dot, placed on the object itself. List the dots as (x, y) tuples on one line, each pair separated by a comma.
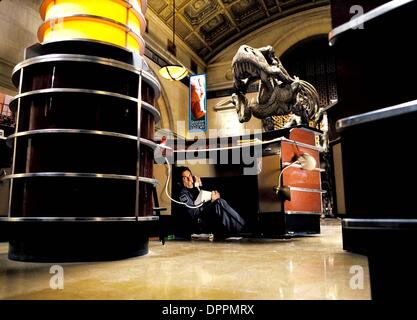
[(19, 21), (227, 122)]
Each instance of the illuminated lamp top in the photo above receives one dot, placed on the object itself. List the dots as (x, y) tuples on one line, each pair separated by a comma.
[(118, 22), (173, 72)]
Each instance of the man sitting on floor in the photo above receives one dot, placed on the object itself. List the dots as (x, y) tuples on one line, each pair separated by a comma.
[(213, 217)]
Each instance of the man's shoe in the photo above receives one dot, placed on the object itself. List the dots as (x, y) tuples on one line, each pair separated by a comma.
[(202, 236)]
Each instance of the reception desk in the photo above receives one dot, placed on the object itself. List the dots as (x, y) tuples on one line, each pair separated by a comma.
[(246, 171)]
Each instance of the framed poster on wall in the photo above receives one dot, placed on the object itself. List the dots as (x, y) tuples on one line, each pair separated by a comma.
[(197, 113)]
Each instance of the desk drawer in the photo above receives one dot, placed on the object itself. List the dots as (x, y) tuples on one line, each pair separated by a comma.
[(304, 201)]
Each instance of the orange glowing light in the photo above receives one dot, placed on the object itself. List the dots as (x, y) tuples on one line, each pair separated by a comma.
[(118, 22)]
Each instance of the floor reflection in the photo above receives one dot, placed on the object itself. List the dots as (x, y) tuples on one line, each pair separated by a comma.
[(302, 268)]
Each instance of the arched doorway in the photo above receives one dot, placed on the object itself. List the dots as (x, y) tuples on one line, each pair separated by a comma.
[(313, 60)]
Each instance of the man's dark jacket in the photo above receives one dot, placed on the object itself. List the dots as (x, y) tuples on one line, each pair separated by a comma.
[(212, 217)]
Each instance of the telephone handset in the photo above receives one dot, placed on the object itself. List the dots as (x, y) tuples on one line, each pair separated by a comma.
[(203, 196), (197, 184)]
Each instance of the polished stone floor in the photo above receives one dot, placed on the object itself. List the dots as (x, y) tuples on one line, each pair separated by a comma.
[(313, 267)]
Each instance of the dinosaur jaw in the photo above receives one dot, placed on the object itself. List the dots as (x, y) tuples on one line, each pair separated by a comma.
[(246, 73), (279, 93), (266, 88), (251, 65)]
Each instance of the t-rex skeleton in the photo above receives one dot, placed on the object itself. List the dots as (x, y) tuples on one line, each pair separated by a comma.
[(279, 93)]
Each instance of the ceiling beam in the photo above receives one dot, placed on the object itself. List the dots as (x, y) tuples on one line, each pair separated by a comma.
[(265, 8), (194, 31), (278, 5), (227, 13)]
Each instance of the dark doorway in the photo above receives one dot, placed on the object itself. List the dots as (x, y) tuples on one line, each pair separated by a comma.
[(313, 60)]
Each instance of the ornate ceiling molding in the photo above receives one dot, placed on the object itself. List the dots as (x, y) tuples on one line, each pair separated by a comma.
[(281, 34), (209, 26)]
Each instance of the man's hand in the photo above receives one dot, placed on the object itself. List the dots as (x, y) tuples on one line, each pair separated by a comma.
[(214, 196), (197, 182)]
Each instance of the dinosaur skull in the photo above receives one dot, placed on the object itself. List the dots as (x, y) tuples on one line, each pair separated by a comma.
[(250, 65), (279, 94)]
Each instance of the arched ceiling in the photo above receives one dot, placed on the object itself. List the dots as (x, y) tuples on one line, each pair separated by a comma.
[(209, 26)]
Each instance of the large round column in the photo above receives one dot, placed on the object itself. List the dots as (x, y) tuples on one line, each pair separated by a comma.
[(82, 174)]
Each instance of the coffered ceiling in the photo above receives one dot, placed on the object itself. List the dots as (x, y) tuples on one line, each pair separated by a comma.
[(209, 26)]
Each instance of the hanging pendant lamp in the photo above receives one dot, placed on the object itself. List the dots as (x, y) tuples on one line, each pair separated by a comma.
[(173, 72)]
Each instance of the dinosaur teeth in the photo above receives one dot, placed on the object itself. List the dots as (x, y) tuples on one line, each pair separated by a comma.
[(251, 67), (242, 68), (239, 69), (246, 67)]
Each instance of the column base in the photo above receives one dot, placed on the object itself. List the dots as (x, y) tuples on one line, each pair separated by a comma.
[(78, 241)]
